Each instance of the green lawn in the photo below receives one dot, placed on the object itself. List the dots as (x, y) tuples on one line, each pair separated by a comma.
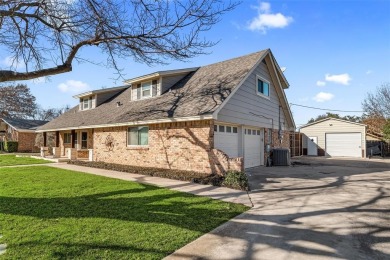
[(48, 213), (8, 160)]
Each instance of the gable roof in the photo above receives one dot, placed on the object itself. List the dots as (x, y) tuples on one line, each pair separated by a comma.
[(198, 95), (24, 125), (331, 118)]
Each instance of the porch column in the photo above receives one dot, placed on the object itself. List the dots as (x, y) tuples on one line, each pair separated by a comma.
[(57, 138), (44, 139), (71, 153), (73, 135)]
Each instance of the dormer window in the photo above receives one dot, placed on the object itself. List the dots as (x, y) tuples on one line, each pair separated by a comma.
[(146, 89), (86, 103)]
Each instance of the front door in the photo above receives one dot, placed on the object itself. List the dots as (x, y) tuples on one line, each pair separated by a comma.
[(312, 146)]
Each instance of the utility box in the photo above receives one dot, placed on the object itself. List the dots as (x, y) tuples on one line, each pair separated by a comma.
[(280, 157)]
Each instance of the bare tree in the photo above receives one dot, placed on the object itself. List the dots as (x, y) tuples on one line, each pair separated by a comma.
[(49, 113), (378, 104), (47, 35), (16, 101)]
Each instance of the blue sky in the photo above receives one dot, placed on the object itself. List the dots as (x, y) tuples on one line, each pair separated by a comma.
[(334, 53)]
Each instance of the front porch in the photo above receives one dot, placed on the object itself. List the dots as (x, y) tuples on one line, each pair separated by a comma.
[(62, 146)]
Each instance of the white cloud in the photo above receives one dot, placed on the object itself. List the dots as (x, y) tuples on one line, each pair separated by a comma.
[(320, 83), (266, 20), (343, 79), (323, 96), (11, 62), (368, 72), (73, 86)]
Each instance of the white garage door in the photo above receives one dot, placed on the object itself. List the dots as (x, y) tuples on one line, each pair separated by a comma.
[(344, 144), (254, 147), (226, 139)]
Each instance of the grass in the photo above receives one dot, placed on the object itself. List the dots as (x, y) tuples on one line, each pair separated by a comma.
[(48, 213), (9, 160)]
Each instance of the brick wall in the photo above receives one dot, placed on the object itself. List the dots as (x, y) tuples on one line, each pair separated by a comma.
[(26, 142), (179, 145), (276, 143)]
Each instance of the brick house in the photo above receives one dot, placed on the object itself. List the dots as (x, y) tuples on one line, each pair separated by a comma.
[(209, 119), (21, 131)]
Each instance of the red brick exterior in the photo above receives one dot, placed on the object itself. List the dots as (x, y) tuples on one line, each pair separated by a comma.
[(179, 145), (275, 142), (26, 141)]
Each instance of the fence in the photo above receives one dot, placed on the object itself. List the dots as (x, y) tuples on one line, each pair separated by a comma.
[(378, 148)]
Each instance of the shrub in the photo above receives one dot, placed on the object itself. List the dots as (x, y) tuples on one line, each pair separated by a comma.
[(191, 176), (1, 146), (236, 180), (10, 146)]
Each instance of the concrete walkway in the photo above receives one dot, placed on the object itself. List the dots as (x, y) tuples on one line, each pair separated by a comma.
[(213, 192)]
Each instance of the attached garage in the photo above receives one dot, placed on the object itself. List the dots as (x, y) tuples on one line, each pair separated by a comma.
[(334, 137), (226, 139), (254, 147), (241, 141)]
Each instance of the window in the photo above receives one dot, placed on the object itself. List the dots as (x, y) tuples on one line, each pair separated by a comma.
[(228, 129), (235, 130), (262, 87), (258, 132), (215, 128), (221, 128), (67, 138), (75, 140), (86, 103), (138, 135), (84, 140), (249, 131), (146, 89)]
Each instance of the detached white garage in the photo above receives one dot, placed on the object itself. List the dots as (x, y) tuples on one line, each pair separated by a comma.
[(335, 138)]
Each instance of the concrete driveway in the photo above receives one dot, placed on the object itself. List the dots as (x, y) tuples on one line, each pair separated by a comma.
[(328, 209)]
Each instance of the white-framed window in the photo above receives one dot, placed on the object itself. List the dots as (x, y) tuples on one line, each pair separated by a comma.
[(146, 89), (67, 138), (227, 129), (262, 86), (138, 135), (86, 103), (221, 128)]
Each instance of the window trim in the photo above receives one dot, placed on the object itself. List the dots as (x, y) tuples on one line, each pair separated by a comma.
[(86, 101), (136, 145), (150, 89), (257, 88)]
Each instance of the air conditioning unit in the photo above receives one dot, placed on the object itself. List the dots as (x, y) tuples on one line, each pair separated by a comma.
[(280, 157)]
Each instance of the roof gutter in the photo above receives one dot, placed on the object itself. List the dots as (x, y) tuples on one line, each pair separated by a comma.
[(145, 122)]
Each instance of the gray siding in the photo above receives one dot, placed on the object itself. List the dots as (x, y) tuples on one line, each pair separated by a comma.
[(101, 98), (169, 81), (246, 107), (320, 129)]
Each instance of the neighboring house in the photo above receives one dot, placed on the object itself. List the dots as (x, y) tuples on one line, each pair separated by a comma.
[(334, 137), (21, 131), (207, 119)]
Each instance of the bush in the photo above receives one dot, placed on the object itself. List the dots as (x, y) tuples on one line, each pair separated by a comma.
[(236, 180), (10, 146), (191, 176), (1, 146), (232, 179)]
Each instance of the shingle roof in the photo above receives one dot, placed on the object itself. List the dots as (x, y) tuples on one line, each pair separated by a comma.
[(198, 93), (24, 124)]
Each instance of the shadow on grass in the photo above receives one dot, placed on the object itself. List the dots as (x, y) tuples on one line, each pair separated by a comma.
[(173, 208)]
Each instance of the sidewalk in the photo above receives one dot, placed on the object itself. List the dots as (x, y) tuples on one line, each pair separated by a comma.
[(220, 193)]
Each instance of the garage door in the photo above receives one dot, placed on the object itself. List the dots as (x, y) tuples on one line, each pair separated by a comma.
[(254, 147), (226, 139), (344, 144)]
